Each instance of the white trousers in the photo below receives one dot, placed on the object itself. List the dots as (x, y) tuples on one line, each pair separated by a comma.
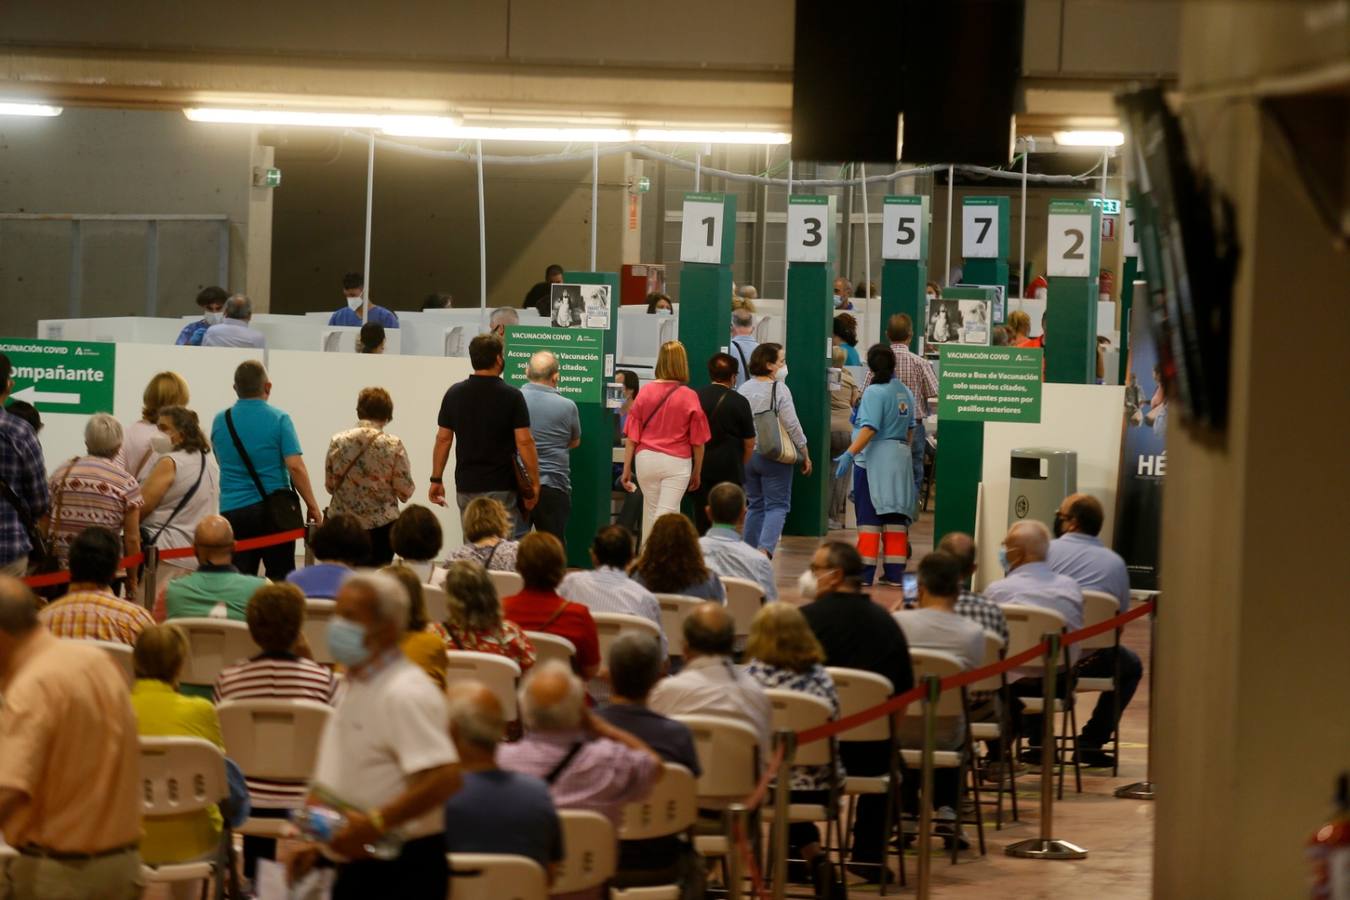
[(664, 480)]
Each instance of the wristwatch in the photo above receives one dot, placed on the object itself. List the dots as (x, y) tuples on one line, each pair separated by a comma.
[(377, 820), (437, 479)]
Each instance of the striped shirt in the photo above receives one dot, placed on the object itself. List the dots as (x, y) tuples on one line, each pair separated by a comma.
[(984, 612), (89, 491), (96, 616), (277, 676), (916, 373)]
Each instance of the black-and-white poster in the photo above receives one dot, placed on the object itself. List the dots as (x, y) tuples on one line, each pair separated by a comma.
[(579, 306)]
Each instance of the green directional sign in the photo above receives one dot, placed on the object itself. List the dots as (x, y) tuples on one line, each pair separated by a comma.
[(62, 376), (990, 384), (580, 352)]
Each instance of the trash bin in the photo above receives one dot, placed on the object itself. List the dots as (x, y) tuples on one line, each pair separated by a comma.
[(1040, 478)]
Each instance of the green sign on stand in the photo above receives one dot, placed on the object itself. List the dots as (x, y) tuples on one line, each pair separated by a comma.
[(62, 376), (990, 384), (581, 358)]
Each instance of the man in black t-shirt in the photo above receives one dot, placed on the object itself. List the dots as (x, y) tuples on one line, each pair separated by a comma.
[(538, 296), (493, 424), (733, 434)]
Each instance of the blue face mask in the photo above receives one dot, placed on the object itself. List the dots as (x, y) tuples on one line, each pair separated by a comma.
[(1003, 558), (347, 641), (838, 301)]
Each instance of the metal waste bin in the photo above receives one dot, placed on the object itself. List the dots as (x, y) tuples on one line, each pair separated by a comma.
[(1040, 479)]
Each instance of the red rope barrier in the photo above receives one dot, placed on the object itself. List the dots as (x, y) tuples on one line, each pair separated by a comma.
[(1111, 624)]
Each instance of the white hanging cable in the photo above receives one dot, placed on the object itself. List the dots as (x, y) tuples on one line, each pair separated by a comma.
[(1022, 253), (787, 200), (482, 247), (867, 238), (370, 200), (595, 196), (951, 187)]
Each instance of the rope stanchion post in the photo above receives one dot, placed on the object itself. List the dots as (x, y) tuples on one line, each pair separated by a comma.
[(787, 740), (1144, 790), (309, 543), (150, 577), (930, 703), (735, 817), (1045, 846)]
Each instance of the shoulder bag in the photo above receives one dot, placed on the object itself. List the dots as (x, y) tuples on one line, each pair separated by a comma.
[(147, 540), (281, 508), (771, 438), (342, 479), (656, 409)]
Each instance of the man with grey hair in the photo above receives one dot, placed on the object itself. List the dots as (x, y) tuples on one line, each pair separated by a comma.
[(496, 811), (96, 490), (501, 317), (556, 426), (260, 458), (385, 756), (588, 763), (74, 815), (235, 331), (743, 342)]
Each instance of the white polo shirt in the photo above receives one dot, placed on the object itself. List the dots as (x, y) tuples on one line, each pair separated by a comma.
[(390, 724)]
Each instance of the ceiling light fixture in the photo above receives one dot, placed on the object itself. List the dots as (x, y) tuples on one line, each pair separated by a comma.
[(314, 119), (9, 108), (689, 136), (557, 135), (1089, 138)]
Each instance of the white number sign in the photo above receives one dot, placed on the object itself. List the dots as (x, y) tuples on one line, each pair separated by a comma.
[(808, 232), (900, 228), (1069, 250), (701, 234), (1131, 236), (979, 231)]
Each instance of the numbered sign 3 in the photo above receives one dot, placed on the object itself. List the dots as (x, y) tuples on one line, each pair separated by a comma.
[(701, 233), (904, 226), (810, 228), (979, 231), (1069, 250)]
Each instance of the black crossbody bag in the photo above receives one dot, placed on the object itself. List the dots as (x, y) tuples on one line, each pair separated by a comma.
[(281, 508)]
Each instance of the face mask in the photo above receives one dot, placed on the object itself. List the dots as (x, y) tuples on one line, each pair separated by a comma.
[(1003, 558), (807, 585), (354, 303), (665, 312), (347, 641), (781, 374), (161, 443), (214, 318), (838, 301), (931, 297)]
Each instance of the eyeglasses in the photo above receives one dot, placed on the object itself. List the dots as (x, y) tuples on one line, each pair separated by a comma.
[(818, 569)]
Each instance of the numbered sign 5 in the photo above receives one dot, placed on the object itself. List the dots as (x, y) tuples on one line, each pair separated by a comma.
[(1069, 250), (701, 234), (979, 231), (902, 230), (808, 229)]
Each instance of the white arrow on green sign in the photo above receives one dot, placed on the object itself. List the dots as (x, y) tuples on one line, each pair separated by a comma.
[(62, 376)]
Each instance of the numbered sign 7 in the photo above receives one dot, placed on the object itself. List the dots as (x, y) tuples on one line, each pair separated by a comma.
[(979, 231)]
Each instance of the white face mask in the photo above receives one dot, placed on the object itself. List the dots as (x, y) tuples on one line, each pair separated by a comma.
[(161, 443), (665, 312), (931, 296), (214, 318), (781, 374), (354, 303), (806, 584)]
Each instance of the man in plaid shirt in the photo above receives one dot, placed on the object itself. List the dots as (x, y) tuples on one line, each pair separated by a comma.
[(91, 611), (23, 482), (970, 604), (916, 373)]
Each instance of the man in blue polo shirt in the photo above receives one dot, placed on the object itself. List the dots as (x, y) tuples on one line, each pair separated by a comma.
[(359, 310), (556, 426), (268, 437)]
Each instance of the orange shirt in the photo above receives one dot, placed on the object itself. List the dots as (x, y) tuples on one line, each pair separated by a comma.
[(68, 741)]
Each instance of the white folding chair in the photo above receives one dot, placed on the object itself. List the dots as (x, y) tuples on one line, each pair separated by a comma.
[(438, 604), (183, 775), (496, 876), (277, 740), (1099, 606), (728, 754), (675, 608), (610, 626), (669, 809), (315, 629), (744, 599), (506, 583), (1026, 626), (859, 690), (501, 675), (119, 653), (551, 646), (591, 852), (214, 644), (995, 730)]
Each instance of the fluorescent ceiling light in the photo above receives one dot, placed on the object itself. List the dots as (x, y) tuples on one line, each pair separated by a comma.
[(682, 136), (562, 134), (29, 109), (1089, 138), (312, 119)]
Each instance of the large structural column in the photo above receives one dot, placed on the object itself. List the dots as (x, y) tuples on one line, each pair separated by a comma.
[(707, 249), (905, 225)]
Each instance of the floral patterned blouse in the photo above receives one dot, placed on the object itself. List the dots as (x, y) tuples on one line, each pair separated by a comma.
[(378, 475), (506, 640), (500, 557), (816, 682)]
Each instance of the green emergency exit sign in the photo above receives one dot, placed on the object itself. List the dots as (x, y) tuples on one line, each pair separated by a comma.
[(62, 376)]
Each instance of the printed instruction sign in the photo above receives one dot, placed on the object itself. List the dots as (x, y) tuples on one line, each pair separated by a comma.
[(581, 358), (990, 384), (62, 376)]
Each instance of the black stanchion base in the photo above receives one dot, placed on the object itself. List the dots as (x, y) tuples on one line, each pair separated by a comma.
[(1040, 848), (1140, 790)]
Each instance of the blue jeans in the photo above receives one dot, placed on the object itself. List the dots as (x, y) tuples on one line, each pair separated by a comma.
[(917, 451), (768, 495)]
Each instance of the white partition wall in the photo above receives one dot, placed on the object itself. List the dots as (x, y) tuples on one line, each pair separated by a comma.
[(115, 329), (319, 391)]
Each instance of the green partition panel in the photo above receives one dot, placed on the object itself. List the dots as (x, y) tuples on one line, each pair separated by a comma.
[(1073, 253), (905, 230), (809, 323), (707, 250), (1132, 268), (959, 471)]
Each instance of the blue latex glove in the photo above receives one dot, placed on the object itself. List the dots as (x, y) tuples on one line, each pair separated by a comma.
[(845, 461)]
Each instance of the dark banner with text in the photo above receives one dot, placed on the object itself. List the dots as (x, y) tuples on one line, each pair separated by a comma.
[(1143, 463)]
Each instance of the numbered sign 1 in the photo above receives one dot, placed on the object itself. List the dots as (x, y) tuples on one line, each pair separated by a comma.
[(1074, 237), (904, 228), (810, 228), (1131, 236), (701, 235), (982, 224)]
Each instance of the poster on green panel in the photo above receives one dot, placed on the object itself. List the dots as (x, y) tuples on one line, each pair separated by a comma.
[(990, 384), (62, 376), (581, 358)]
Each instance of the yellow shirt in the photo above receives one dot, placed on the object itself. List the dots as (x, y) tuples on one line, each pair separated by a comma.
[(427, 651), (162, 712)]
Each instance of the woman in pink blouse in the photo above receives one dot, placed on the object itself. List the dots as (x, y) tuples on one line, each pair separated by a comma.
[(664, 436)]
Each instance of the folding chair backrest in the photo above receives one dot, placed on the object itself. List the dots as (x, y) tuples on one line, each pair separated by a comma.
[(274, 739), (728, 754), (551, 646), (590, 851), (797, 711), (744, 599), (669, 809), (315, 629), (943, 665), (214, 644), (993, 652), (119, 653), (506, 583), (1098, 607), (180, 775), (1026, 626), (496, 876), (438, 604), (610, 626), (497, 672), (675, 608), (859, 690)]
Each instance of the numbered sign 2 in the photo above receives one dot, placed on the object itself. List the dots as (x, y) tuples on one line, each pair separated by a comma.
[(701, 234), (810, 222), (904, 226), (979, 231), (1069, 249)]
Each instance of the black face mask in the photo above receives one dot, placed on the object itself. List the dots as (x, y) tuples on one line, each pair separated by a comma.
[(1059, 525)]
